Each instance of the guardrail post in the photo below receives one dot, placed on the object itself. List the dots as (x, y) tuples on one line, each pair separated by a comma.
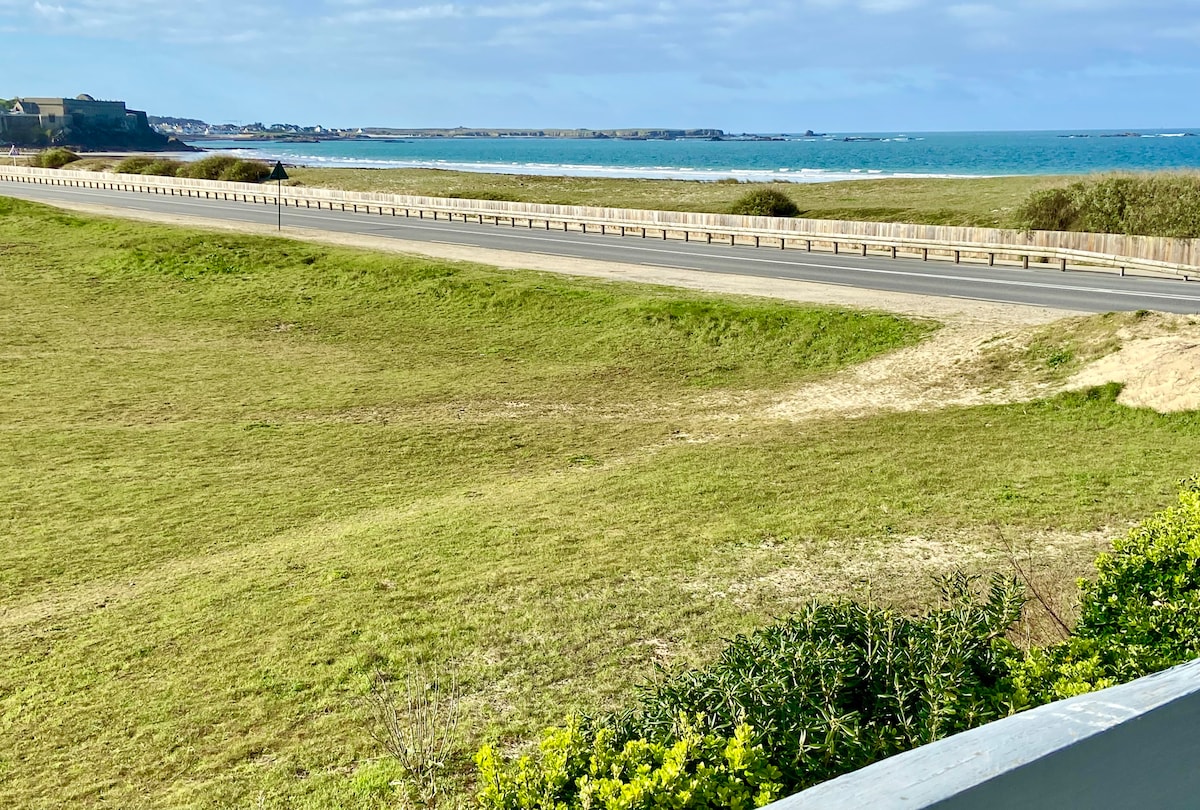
[(957, 256), (1063, 265), (864, 247), (1025, 261), (893, 251), (835, 247), (924, 254)]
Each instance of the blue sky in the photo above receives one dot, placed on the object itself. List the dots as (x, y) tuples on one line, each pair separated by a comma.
[(762, 66)]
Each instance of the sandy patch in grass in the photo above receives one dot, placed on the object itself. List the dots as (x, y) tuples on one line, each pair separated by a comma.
[(1159, 372), (1158, 362), (900, 571)]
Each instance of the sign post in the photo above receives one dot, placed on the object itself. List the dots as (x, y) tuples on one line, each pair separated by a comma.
[(278, 175), (13, 152)]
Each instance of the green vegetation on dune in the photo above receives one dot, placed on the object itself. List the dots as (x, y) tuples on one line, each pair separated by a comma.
[(983, 202), (241, 474), (1162, 204)]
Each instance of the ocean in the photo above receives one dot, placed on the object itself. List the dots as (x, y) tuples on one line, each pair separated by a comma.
[(793, 158)]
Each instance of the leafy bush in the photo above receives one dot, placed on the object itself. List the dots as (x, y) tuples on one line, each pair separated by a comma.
[(226, 167), (578, 766), (246, 171), (831, 689), (1140, 615), (1151, 205), (141, 164), (764, 202), (54, 158), (1052, 209), (838, 686), (208, 168), (133, 165)]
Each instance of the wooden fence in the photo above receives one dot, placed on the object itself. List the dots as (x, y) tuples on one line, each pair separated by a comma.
[(1062, 250)]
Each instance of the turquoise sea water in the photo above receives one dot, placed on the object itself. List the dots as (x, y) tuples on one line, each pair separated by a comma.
[(795, 158)]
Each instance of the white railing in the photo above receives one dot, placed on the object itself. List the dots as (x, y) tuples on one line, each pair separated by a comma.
[(1179, 257), (1131, 746)]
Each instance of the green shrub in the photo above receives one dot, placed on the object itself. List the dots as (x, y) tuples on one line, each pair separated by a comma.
[(144, 164), (839, 686), (163, 167), (829, 690), (764, 202), (54, 158), (578, 766), (133, 165), (1150, 205), (208, 168), (1052, 209), (1141, 614), (246, 171), (226, 167)]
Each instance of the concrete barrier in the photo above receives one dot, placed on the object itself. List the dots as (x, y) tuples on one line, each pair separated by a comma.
[(1062, 250), (1131, 746)]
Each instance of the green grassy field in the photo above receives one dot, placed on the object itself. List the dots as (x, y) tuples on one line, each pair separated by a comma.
[(240, 474)]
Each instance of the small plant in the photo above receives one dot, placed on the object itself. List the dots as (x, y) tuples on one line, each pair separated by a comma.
[(133, 165), (246, 171), (828, 690), (417, 726), (1151, 205), (764, 202), (54, 158), (226, 167), (1140, 615), (587, 766)]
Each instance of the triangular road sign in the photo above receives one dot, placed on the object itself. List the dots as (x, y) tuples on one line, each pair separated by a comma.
[(278, 173)]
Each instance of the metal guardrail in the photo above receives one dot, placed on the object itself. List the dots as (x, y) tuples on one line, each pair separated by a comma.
[(1130, 746), (832, 236)]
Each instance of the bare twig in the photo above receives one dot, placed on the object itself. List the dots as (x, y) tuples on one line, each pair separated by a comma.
[(1025, 572), (417, 725)]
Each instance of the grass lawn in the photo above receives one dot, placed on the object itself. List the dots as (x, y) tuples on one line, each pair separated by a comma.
[(241, 474)]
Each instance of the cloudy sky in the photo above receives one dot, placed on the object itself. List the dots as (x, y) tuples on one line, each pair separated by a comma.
[(740, 65)]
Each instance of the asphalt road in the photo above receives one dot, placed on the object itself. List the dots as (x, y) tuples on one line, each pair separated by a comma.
[(1098, 291)]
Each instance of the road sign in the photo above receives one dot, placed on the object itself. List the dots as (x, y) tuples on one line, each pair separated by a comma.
[(278, 175)]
